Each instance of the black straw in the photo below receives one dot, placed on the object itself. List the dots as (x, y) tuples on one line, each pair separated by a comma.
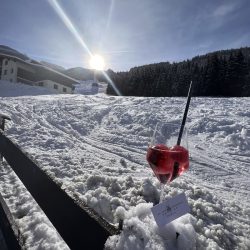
[(185, 114), (176, 164)]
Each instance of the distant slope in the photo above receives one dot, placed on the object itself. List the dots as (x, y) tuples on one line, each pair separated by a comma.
[(53, 66), (222, 73), (80, 73)]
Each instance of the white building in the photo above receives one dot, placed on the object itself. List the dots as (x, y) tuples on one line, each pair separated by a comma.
[(10, 70), (62, 89), (30, 72)]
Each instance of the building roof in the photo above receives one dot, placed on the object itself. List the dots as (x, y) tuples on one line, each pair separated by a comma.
[(43, 72)]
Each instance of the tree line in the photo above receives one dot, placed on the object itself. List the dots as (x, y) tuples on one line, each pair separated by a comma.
[(223, 73)]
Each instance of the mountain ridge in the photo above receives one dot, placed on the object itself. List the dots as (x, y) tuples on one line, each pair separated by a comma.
[(78, 73)]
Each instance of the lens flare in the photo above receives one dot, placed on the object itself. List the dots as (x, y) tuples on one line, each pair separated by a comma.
[(58, 9), (60, 12)]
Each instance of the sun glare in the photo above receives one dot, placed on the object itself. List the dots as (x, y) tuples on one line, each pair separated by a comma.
[(97, 62)]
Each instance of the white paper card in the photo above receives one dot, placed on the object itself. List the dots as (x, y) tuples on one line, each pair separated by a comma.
[(170, 209)]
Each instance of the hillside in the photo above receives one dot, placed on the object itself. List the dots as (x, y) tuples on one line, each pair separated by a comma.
[(80, 73), (222, 73), (53, 66)]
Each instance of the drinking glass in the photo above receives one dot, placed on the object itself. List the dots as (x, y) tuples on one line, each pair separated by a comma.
[(167, 159)]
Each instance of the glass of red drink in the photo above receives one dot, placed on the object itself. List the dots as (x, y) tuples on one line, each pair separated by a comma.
[(166, 159)]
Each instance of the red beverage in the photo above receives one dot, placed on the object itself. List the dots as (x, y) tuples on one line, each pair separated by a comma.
[(167, 163)]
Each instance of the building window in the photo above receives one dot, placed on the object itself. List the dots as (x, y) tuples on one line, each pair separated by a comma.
[(55, 86), (12, 71), (6, 62), (64, 90), (40, 84), (5, 72)]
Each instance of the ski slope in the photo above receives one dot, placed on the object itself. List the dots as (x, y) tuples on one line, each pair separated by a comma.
[(95, 146)]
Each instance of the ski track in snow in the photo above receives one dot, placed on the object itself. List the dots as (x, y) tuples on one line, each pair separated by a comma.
[(96, 145)]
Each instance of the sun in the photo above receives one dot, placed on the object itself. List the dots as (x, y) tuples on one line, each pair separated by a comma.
[(97, 62)]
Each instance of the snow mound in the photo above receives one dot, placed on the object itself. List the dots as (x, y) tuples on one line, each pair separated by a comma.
[(140, 232)]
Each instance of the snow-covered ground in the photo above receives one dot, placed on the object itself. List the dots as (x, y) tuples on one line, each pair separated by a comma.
[(96, 146), (11, 89)]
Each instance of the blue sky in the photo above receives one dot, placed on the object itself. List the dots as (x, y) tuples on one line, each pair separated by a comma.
[(126, 33)]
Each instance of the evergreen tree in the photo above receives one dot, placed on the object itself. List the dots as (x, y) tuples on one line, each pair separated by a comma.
[(223, 73)]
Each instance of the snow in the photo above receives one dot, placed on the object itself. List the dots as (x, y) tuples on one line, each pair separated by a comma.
[(36, 230), (85, 88), (10, 89), (95, 146), (90, 87)]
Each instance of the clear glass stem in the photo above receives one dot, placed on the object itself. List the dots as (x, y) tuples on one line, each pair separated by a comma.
[(161, 193)]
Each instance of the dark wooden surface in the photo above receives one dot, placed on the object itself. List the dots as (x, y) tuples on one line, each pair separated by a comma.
[(78, 225)]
